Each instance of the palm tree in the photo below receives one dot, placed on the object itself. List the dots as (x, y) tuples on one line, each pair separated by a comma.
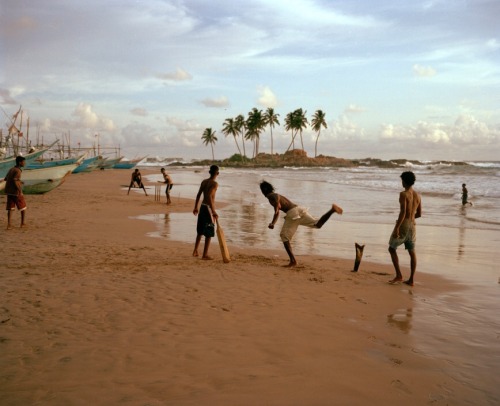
[(300, 122), (255, 124), (209, 137), (297, 121), (317, 122), (240, 124), (229, 128), (271, 119), (289, 127)]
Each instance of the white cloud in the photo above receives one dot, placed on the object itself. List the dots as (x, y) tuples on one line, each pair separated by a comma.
[(465, 131), (468, 130), (87, 118), (310, 12), (217, 102), (353, 108), (141, 135), (423, 71), (178, 76), (267, 98), (344, 128)]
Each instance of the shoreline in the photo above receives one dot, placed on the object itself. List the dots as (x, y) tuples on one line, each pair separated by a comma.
[(96, 311)]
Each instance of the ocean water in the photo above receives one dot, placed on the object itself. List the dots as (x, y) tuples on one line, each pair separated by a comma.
[(454, 241)]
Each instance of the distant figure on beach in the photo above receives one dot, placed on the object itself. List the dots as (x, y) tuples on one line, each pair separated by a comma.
[(168, 180), (410, 208), (136, 179), (207, 214), (295, 216), (465, 195), (14, 191)]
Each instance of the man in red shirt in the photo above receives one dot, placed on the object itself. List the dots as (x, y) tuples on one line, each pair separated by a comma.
[(14, 191)]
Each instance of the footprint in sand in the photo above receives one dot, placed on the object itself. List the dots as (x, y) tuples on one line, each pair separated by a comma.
[(401, 386)]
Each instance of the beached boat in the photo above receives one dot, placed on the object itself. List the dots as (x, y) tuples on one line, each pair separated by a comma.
[(87, 165), (128, 164), (43, 180), (108, 163), (36, 164), (7, 163)]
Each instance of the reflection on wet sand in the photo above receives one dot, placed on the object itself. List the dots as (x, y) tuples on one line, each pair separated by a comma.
[(162, 221), (461, 233), (401, 319), (166, 225)]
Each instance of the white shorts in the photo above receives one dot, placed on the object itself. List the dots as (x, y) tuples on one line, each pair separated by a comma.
[(298, 216)]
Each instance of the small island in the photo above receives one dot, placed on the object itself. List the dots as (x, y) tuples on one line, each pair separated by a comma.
[(299, 158)]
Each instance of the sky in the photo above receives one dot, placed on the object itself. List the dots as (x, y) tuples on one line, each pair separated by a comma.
[(395, 78)]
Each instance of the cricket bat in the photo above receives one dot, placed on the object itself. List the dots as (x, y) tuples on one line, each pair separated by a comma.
[(222, 244)]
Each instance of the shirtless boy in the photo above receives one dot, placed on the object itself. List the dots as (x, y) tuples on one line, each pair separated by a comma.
[(14, 191), (207, 212), (405, 229), (137, 178), (168, 180), (295, 216)]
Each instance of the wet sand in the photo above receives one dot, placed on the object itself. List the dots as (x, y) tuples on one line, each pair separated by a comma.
[(95, 312)]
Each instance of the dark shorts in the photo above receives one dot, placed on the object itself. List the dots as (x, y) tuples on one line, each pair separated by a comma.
[(16, 201), (204, 218)]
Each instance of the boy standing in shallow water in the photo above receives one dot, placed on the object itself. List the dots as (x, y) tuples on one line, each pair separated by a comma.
[(465, 195), (295, 216), (410, 208)]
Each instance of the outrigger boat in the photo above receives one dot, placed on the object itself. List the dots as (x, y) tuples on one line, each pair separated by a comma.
[(123, 164), (43, 180)]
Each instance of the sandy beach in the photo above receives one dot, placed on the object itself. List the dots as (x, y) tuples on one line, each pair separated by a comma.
[(93, 311)]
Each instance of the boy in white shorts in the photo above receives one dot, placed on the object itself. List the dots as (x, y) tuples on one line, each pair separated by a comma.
[(295, 216)]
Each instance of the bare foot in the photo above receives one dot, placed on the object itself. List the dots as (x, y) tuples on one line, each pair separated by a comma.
[(195, 253), (290, 265), (10, 228), (395, 281), (337, 209), (408, 282), (207, 258)]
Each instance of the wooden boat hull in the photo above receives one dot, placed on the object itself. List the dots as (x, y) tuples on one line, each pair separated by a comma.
[(88, 165), (108, 163), (7, 163), (43, 180), (128, 164), (50, 164)]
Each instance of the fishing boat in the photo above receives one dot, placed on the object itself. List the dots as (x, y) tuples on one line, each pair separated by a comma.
[(108, 163), (43, 180), (37, 164), (128, 164), (87, 165), (7, 163)]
